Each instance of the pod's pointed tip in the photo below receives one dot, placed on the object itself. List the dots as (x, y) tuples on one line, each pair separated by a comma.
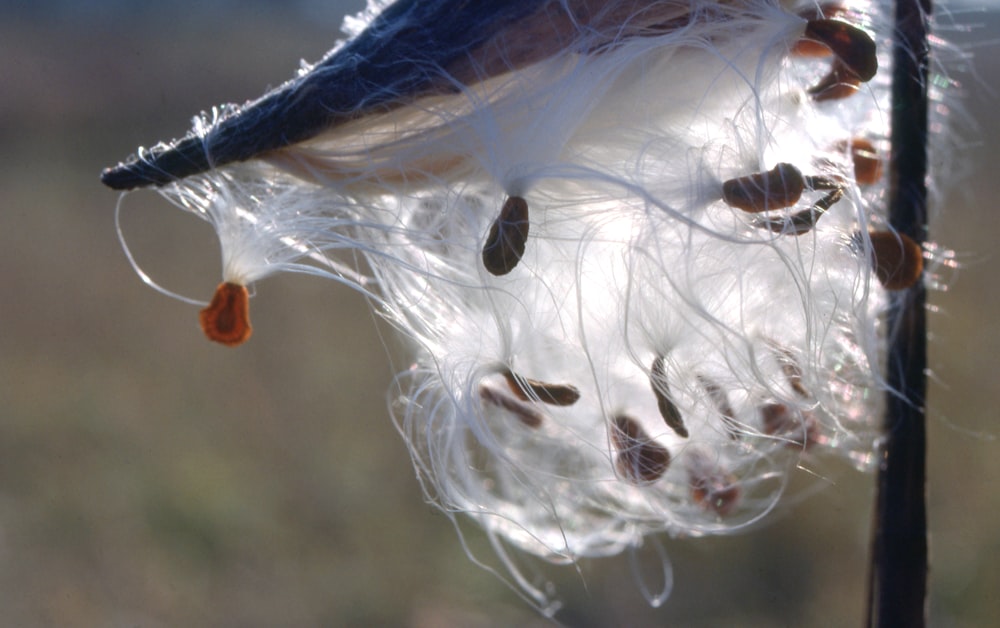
[(121, 177), (160, 165)]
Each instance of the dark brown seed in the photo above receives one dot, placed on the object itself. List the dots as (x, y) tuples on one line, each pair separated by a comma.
[(897, 260), (524, 412), (855, 59), (854, 48), (640, 459), (508, 235), (712, 487), (777, 188), (804, 221), (668, 409), (811, 48), (533, 390)]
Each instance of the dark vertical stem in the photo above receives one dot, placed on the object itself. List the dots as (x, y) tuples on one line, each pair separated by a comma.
[(898, 580)]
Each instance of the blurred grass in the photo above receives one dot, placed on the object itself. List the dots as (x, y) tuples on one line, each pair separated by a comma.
[(148, 477)]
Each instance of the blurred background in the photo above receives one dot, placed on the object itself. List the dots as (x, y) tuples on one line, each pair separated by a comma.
[(151, 478)]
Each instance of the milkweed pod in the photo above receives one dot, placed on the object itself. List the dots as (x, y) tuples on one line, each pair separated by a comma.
[(401, 164)]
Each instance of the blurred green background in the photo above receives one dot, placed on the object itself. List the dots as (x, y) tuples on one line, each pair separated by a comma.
[(151, 478)]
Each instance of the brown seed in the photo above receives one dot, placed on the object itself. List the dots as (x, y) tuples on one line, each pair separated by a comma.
[(866, 160), (855, 50), (712, 487), (898, 261), (668, 409), (524, 412), (806, 48), (780, 187), (798, 427), (227, 318), (640, 459), (809, 47), (855, 59), (721, 401), (533, 390), (507, 237), (790, 367), (803, 222)]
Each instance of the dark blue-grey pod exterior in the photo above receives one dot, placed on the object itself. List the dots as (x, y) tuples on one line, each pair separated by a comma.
[(413, 48)]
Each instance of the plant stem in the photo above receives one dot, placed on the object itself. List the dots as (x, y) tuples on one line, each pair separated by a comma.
[(899, 569)]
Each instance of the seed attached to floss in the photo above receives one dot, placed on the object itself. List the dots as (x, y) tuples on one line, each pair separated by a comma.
[(721, 401), (855, 60), (791, 369), (807, 48), (640, 459), (811, 48), (668, 409), (897, 260), (524, 412), (779, 187), (507, 237), (835, 86), (803, 222), (866, 160), (852, 46), (533, 390), (227, 318), (798, 427), (712, 487)]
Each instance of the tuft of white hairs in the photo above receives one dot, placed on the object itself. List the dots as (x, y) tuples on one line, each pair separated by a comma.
[(710, 357)]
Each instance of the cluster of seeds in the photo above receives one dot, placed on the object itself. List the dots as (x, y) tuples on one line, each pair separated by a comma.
[(896, 260), (690, 308)]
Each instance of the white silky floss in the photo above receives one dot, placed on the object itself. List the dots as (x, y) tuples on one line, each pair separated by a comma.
[(710, 354)]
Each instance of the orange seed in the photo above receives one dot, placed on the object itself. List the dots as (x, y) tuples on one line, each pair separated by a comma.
[(866, 160), (227, 318)]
